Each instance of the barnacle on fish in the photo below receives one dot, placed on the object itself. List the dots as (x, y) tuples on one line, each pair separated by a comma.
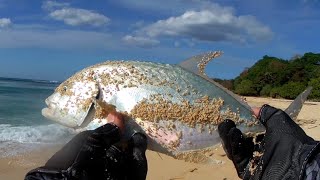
[(204, 111), (103, 109), (203, 63)]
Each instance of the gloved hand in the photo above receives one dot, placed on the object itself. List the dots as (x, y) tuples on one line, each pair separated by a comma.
[(282, 153), (138, 165), (98, 154)]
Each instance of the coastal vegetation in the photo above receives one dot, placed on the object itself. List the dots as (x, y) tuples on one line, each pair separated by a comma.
[(278, 78)]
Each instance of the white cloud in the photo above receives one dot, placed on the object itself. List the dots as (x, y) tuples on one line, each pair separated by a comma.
[(214, 24), (164, 6), (140, 41), (5, 22), (52, 5), (76, 17), (62, 11)]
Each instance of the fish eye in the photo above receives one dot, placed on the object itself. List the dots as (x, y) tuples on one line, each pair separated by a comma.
[(65, 88)]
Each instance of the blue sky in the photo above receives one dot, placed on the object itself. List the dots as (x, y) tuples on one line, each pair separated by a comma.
[(54, 39)]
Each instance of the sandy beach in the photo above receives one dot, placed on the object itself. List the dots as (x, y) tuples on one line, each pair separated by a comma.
[(162, 167)]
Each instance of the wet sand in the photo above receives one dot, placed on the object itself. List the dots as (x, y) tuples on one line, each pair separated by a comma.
[(162, 167)]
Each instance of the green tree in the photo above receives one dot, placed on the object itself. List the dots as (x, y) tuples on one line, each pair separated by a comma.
[(315, 83), (291, 90), (275, 92), (246, 87), (266, 90), (275, 77)]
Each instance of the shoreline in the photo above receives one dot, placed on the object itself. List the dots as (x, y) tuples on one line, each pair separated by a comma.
[(162, 167)]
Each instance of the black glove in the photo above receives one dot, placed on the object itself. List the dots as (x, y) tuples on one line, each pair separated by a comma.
[(138, 165), (282, 153), (86, 146), (96, 154), (127, 161), (238, 148)]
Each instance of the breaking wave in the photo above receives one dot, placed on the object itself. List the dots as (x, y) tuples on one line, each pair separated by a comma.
[(22, 139), (29, 80)]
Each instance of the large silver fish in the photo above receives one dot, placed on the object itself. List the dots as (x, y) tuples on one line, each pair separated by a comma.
[(177, 106)]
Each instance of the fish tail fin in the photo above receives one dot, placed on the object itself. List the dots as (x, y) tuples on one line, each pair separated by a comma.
[(295, 107)]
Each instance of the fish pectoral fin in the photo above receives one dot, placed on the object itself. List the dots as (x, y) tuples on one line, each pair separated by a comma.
[(90, 116), (295, 107)]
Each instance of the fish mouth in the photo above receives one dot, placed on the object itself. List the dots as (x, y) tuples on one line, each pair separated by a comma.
[(46, 112), (49, 111), (50, 104), (51, 115)]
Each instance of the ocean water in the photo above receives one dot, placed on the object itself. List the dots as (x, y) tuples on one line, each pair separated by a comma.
[(22, 127)]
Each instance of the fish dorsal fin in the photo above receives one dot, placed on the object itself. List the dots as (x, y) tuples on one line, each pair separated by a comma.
[(294, 108), (197, 64)]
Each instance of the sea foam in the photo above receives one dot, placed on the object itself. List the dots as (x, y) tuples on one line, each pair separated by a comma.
[(22, 139)]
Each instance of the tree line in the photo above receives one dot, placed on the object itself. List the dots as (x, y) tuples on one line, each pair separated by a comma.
[(278, 78)]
